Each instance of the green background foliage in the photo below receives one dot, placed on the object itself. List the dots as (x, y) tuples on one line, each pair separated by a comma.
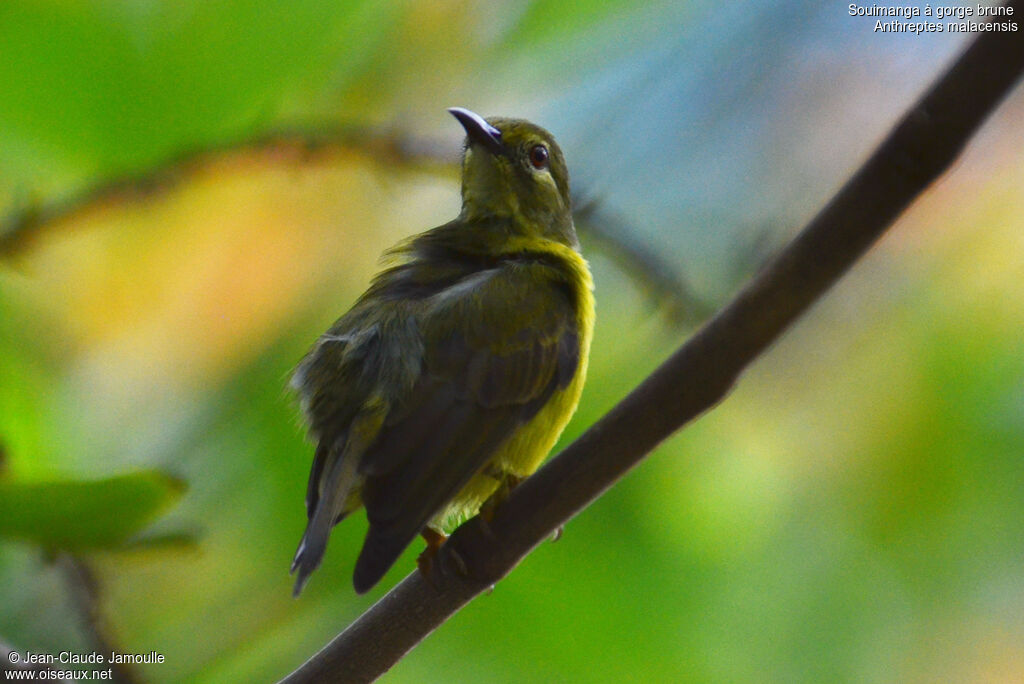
[(852, 511)]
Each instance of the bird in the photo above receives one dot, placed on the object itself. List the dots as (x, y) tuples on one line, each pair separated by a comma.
[(451, 378)]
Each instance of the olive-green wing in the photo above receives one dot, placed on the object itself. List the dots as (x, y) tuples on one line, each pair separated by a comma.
[(329, 383), (497, 345), (344, 417)]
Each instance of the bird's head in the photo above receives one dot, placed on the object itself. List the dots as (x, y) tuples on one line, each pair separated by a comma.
[(514, 169)]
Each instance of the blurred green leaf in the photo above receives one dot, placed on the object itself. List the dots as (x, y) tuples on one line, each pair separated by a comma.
[(74, 515)]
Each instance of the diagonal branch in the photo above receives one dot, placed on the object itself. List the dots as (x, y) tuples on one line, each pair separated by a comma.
[(699, 374), (302, 145), (291, 144), (660, 279)]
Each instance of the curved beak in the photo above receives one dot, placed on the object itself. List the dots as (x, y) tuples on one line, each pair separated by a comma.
[(478, 130)]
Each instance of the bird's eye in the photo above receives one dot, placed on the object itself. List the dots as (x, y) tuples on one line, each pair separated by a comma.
[(539, 156)]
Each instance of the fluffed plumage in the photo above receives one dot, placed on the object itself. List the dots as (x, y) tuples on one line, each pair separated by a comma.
[(459, 367)]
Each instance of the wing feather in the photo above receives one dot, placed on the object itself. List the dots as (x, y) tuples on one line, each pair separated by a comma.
[(496, 347), (393, 528)]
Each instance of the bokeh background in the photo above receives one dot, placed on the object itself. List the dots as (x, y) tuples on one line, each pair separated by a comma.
[(854, 511)]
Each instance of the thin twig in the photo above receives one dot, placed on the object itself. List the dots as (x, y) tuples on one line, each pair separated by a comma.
[(85, 594), (662, 280), (698, 375), (295, 144), (303, 145)]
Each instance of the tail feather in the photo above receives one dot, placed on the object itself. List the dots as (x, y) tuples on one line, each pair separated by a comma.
[(330, 508), (380, 551)]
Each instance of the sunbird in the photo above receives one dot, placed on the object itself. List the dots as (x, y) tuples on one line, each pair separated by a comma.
[(453, 375)]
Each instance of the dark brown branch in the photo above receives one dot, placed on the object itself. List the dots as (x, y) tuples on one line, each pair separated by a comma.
[(698, 375)]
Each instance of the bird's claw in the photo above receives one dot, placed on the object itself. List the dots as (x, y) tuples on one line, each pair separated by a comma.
[(425, 561)]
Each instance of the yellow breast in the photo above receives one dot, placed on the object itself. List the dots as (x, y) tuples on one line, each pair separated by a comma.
[(528, 446)]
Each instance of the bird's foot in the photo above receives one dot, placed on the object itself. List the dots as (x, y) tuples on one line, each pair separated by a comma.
[(426, 561)]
